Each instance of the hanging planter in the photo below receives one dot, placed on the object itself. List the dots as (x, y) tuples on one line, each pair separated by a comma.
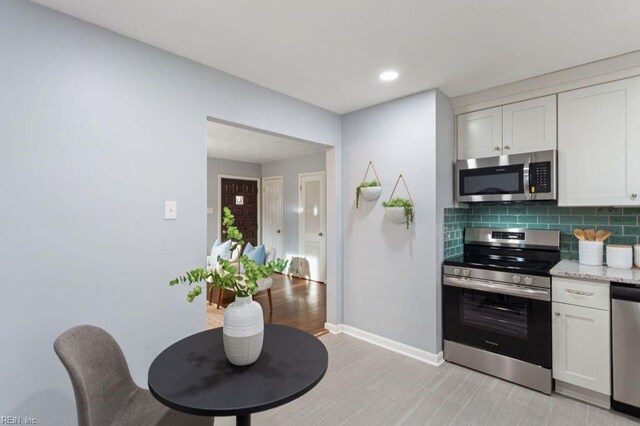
[(369, 190), (400, 210)]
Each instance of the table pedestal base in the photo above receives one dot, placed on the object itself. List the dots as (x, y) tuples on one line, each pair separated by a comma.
[(243, 420)]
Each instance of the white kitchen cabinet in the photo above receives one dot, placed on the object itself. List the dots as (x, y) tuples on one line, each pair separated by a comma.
[(529, 126), (480, 134), (511, 129), (599, 145), (581, 347)]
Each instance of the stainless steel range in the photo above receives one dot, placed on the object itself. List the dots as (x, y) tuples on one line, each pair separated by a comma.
[(497, 304)]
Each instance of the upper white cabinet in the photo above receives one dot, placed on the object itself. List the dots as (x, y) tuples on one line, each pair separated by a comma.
[(529, 126), (511, 129), (480, 134), (599, 145)]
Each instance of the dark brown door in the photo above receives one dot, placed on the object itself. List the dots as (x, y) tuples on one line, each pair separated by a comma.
[(241, 196)]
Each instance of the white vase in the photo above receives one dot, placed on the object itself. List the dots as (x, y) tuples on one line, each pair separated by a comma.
[(243, 331), (371, 193), (395, 214)]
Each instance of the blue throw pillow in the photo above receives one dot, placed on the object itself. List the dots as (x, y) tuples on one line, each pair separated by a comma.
[(257, 254), (220, 249), (248, 248)]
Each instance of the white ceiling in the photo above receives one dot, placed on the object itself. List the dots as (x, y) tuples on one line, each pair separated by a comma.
[(330, 52), (235, 143)]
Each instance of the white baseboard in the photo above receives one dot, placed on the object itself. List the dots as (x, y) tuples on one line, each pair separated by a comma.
[(392, 345)]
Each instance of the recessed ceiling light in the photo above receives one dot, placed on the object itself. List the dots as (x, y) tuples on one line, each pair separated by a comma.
[(389, 75)]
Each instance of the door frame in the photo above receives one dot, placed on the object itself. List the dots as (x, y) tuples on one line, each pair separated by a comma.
[(300, 229), (259, 196), (281, 178), (334, 244)]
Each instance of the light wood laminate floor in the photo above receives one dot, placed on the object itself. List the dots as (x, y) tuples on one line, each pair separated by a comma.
[(296, 302), (369, 385)]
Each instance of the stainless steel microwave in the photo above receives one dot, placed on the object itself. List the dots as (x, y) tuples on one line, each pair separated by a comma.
[(517, 177)]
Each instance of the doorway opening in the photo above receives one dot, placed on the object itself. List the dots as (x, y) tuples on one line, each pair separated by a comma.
[(276, 188)]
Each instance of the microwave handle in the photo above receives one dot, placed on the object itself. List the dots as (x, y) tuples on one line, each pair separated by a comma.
[(526, 180)]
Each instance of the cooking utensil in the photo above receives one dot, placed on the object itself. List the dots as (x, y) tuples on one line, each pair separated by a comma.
[(579, 234), (603, 236), (590, 234)]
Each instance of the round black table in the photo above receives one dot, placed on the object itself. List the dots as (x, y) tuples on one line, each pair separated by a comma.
[(195, 377)]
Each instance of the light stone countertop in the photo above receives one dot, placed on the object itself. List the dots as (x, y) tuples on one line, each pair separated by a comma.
[(573, 269)]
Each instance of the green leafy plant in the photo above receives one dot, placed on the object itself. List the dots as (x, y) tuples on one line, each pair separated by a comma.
[(227, 275), (402, 202), (367, 184), (280, 265)]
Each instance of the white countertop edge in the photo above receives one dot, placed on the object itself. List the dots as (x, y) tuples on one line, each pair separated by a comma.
[(573, 269)]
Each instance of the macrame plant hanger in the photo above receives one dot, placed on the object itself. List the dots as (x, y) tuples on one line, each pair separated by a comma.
[(405, 187), (372, 167)]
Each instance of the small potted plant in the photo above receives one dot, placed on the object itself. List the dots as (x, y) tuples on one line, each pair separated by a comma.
[(243, 329), (280, 265), (369, 190), (399, 210)]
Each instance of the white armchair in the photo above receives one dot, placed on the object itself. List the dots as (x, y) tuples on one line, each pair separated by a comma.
[(263, 284)]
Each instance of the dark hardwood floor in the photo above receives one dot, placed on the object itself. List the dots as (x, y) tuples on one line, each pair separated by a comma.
[(296, 302)]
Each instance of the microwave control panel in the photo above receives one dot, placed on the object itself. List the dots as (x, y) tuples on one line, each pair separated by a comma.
[(540, 177)]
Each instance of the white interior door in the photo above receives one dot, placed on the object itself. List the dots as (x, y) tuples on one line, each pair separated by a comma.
[(312, 223), (272, 211)]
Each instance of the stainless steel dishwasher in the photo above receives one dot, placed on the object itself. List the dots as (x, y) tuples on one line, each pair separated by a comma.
[(625, 313)]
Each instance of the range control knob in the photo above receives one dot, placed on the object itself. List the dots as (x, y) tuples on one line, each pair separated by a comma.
[(466, 272), (528, 280), (516, 279), (456, 271)]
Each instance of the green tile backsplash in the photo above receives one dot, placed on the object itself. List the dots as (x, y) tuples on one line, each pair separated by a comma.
[(624, 223)]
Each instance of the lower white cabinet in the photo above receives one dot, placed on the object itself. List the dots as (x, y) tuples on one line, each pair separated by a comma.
[(581, 347)]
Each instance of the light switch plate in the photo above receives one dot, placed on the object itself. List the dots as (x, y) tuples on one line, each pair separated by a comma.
[(170, 210), (209, 210)]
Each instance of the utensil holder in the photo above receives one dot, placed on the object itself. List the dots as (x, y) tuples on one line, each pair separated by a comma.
[(619, 256), (590, 252)]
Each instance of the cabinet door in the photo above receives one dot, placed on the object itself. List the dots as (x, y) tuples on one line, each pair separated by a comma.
[(599, 145), (480, 134), (581, 343), (529, 126)]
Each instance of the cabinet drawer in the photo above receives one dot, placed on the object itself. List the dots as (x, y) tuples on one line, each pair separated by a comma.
[(590, 294)]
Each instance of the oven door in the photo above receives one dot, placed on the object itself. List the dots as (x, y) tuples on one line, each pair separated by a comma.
[(514, 321)]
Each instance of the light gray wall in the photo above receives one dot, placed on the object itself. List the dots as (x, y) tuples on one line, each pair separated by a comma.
[(390, 273), (289, 170), (444, 166), (215, 167), (97, 132)]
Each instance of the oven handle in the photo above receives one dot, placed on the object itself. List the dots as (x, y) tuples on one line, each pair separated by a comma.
[(492, 287)]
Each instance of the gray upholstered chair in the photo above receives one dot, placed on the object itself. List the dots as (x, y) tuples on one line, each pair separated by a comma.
[(104, 390)]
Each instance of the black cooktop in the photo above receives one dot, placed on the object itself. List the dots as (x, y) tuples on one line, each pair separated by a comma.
[(507, 259), (521, 266)]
